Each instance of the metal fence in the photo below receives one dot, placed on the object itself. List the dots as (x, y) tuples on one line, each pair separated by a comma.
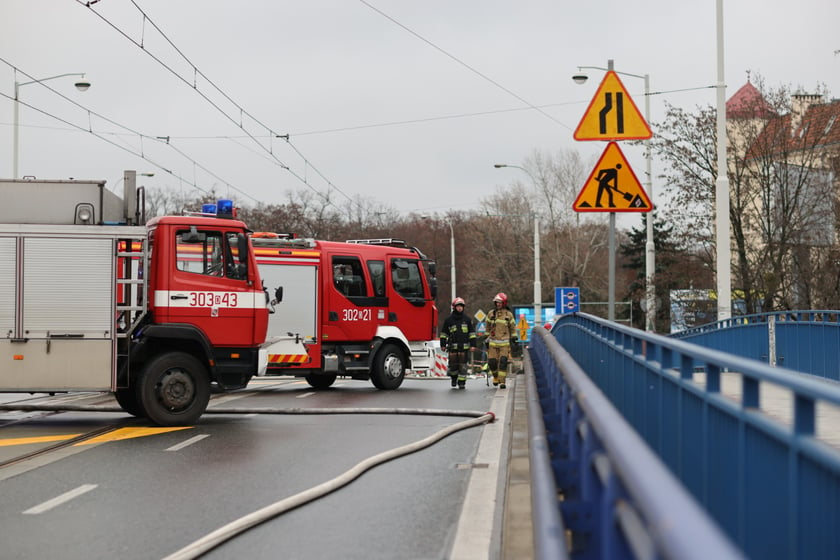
[(805, 341), (618, 500), (773, 487)]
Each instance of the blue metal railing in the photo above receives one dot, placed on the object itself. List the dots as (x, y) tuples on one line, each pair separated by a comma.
[(548, 530), (619, 499), (805, 341), (773, 488)]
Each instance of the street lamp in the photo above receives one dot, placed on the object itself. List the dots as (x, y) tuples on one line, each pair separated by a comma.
[(81, 85), (650, 250), (537, 283), (722, 226), (452, 254)]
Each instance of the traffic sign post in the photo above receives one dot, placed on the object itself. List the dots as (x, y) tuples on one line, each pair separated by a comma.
[(612, 114), (566, 300), (612, 186), (522, 326)]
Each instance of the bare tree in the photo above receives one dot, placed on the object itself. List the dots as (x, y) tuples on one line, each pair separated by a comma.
[(781, 195)]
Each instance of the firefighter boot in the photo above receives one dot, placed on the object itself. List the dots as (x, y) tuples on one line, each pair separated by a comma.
[(454, 379), (495, 379), (462, 382), (501, 381)]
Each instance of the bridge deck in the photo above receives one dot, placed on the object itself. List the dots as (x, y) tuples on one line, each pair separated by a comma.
[(777, 402)]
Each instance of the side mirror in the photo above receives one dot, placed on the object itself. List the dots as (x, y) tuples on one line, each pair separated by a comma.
[(242, 246)]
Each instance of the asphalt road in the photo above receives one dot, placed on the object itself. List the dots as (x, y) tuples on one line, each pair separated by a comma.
[(153, 493)]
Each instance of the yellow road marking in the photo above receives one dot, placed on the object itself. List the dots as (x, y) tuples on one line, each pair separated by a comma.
[(41, 439), (116, 435), (128, 433)]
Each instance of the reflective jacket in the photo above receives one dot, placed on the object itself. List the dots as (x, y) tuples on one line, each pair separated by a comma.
[(457, 334), (500, 327)]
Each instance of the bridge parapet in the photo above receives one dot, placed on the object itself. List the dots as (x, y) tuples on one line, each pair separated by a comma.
[(805, 341), (774, 488), (619, 499)]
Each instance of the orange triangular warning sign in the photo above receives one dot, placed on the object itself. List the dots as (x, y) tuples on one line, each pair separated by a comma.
[(612, 115), (612, 186)]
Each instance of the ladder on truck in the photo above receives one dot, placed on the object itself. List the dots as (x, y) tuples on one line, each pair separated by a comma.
[(132, 285)]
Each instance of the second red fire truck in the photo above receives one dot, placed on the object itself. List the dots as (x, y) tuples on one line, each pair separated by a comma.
[(363, 308)]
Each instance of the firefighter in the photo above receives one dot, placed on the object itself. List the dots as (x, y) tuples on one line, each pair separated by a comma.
[(458, 336), (500, 337)]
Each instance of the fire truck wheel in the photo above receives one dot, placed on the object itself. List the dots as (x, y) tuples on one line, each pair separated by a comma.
[(174, 389), (127, 399), (320, 381), (388, 369)]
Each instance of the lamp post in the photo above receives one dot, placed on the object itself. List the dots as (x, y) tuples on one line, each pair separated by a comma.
[(453, 288), (722, 227), (80, 85), (537, 283), (452, 256), (650, 249)]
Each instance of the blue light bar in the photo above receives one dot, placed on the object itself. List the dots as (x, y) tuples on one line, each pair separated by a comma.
[(208, 208), (224, 208)]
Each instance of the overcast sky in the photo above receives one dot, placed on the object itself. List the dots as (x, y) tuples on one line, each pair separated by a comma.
[(410, 103)]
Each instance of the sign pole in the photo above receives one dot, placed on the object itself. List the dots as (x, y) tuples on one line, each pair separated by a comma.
[(537, 282), (612, 116), (611, 297), (611, 307)]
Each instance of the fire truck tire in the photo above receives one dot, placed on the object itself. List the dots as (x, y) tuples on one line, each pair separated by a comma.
[(320, 381), (174, 389), (127, 399), (388, 369)]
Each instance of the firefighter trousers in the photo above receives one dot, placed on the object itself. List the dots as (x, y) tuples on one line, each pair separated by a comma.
[(498, 358), (458, 367)]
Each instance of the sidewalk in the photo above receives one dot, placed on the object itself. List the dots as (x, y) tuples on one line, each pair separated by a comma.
[(517, 530)]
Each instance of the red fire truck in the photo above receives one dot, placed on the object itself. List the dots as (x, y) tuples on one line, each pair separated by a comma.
[(363, 308), (92, 298)]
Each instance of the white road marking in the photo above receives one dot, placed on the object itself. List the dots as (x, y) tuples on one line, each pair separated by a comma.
[(187, 443), (58, 500)]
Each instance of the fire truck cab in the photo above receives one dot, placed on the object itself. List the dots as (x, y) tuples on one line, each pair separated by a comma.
[(93, 298), (363, 308)]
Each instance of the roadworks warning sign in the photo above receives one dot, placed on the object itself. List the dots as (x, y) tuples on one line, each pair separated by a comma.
[(612, 186)]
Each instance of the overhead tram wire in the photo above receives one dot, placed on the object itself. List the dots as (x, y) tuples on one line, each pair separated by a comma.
[(465, 65), (241, 109), (131, 131), (141, 154), (432, 119)]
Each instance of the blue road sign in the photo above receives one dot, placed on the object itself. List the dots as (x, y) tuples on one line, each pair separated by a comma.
[(566, 300)]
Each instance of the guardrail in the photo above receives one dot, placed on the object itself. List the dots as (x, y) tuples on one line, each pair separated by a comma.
[(805, 341), (618, 499), (549, 531), (773, 487)]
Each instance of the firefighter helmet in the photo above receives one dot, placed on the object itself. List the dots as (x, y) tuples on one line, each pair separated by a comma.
[(502, 297), (457, 301)]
